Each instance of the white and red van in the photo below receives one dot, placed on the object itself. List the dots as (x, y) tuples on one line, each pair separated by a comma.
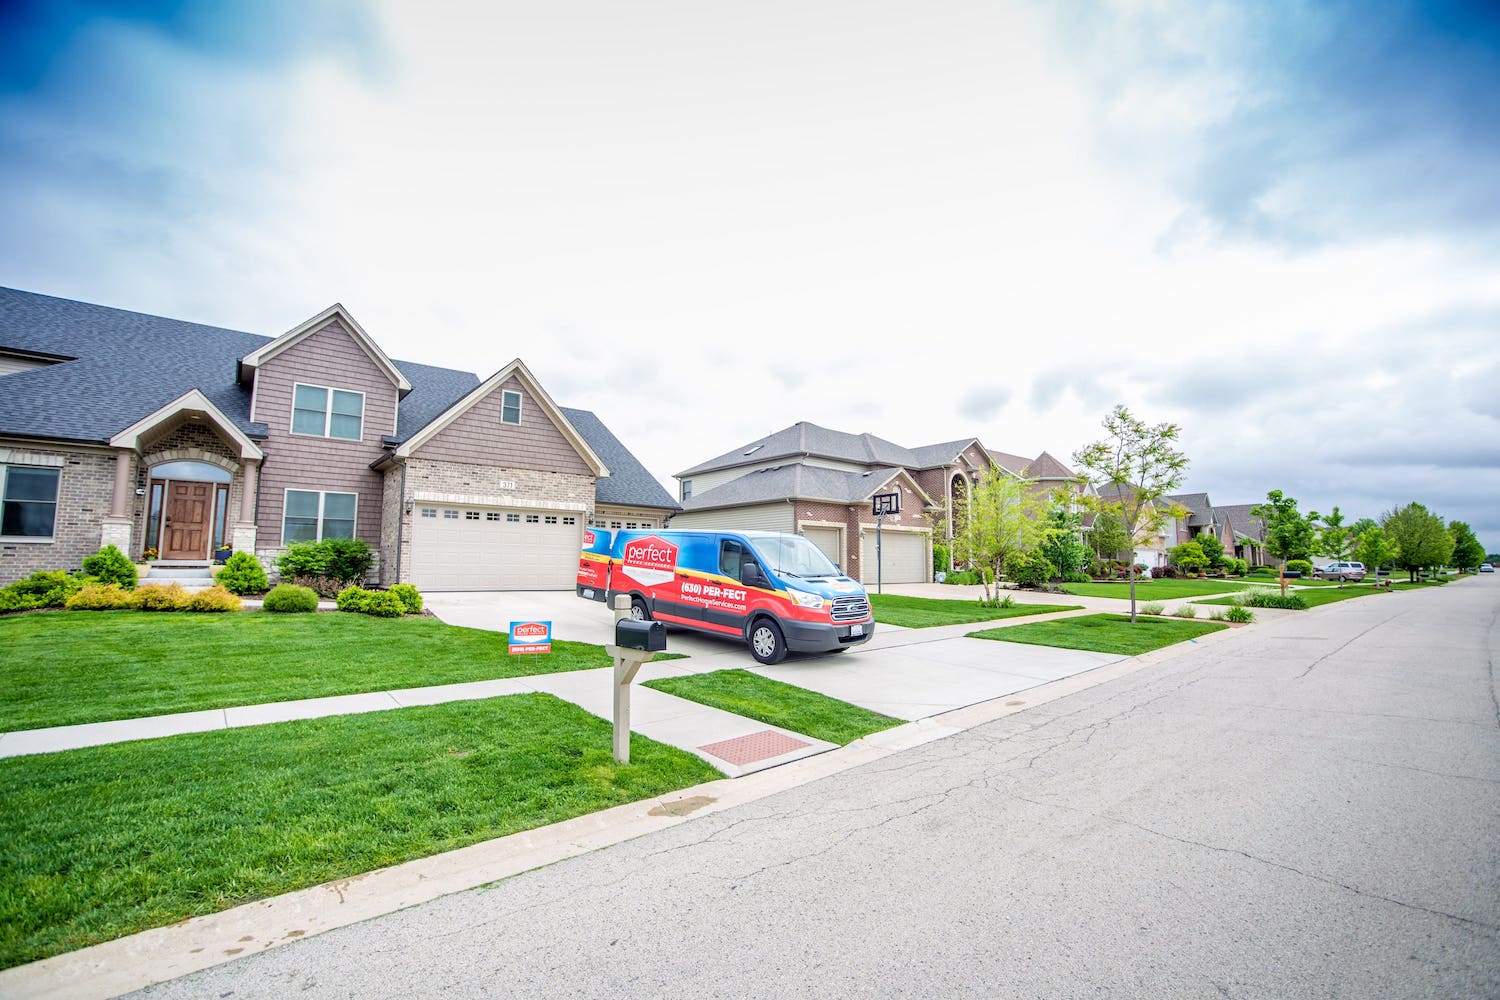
[(777, 592)]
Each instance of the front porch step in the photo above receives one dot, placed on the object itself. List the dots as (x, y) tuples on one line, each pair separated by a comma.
[(180, 572)]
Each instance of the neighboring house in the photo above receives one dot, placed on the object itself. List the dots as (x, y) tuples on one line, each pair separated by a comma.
[(1150, 551), (144, 432), (1242, 533), (820, 483)]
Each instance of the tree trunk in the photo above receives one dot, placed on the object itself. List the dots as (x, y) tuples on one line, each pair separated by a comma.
[(1281, 572), (1132, 587)]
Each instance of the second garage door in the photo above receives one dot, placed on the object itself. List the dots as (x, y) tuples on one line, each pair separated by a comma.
[(485, 548), (903, 557), (830, 540)]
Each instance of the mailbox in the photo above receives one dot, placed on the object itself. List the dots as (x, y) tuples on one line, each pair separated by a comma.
[(648, 636)]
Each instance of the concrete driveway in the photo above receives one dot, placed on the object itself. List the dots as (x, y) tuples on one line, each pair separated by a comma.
[(904, 673)]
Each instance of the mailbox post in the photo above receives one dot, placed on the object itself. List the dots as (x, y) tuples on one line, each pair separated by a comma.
[(635, 642)]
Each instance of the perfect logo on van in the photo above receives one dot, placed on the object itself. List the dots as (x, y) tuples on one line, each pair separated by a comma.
[(650, 560)]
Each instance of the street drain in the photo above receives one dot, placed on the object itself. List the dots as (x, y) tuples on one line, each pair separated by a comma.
[(683, 807)]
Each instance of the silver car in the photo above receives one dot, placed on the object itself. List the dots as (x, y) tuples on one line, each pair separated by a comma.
[(1342, 572)]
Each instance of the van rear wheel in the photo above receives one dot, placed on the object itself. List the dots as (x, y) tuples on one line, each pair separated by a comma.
[(767, 644)]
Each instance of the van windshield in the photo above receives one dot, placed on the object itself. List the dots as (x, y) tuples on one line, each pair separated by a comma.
[(794, 556)]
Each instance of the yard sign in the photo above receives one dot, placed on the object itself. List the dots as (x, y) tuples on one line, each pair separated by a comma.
[(531, 637)]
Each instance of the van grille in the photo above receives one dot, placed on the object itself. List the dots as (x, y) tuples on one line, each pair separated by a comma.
[(850, 609)]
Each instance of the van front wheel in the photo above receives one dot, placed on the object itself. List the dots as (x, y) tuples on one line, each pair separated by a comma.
[(639, 611), (767, 644)]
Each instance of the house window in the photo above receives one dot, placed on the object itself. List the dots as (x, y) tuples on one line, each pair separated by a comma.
[(510, 407), (570, 520), (313, 515), (28, 501), (323, 412), (615, 525), (687, 488), (551, 519), (491, 515), (221, 515), (153, 517), (532, 519), (471, 515)]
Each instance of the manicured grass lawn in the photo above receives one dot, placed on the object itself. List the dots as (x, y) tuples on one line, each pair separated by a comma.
[(1154, 590), (67, 667), (1317, 598), (778, 704), (107, 841), (925, 612), (1104, 633)]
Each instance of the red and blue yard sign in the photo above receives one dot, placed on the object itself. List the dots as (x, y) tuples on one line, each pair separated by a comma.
[(531, 637)]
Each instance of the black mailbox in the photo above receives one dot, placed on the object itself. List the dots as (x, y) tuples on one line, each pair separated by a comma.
[(649, 636)]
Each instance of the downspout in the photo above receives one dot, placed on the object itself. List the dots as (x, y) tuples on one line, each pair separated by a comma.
[(400, 518)]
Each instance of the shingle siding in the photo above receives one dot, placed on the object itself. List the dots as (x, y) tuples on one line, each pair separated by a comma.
[(331, 357), (478, 437)]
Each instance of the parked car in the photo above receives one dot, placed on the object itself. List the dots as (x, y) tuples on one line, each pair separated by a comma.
[(1486, 568), (1342, 571)]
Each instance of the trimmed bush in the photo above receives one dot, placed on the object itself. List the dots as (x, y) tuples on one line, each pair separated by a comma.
[(384, 604), (963, 578), (939, 558), (323, 586), (288, 598), (1291, 602), (1299, 566), (1187, 611), (110, 565), (1077, 578), (101, 597), (1165, 573), (1262, 571), (43, 589), (354, 599), (158, 597), (1031, 569), (1239, 614), (1152, 609), (346, 559), (214, 599), (410, 597), (302, 559), (243, 574)]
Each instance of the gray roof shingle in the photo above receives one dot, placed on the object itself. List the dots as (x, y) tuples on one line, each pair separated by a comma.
[(628, 482), (793, 481)]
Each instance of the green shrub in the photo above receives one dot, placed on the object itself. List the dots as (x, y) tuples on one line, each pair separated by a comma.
[(291, 599), (411, 598), (346, 559), (1299, 566), (1216, 614), (1263, 571), (1077, 578), (384, 604), (962, 578), (939, 558), (353, 598), (1187, 611), (1030, 569), (101, 597), (214, 599), (1291, 602), (43, 589), (243, 574), (1152, 609), (998, 602), (159, 597), (303, 559), (1239, 614), (111, 565)]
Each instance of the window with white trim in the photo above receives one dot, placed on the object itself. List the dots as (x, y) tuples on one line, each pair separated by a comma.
[(492, 515), (532, 519), (471, 515), (28, 501), (450, 515), (551, 519), (313, 515), (570, 520), (321, 411), (512, 518), (510, 407), (429, 512)]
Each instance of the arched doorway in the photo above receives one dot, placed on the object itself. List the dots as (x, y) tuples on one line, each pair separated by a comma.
[(188, 510)]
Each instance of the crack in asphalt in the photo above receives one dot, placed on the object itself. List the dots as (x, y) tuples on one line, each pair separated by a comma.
[(1353, 639)]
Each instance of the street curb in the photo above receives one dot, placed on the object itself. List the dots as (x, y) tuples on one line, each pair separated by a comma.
[(131, 963)]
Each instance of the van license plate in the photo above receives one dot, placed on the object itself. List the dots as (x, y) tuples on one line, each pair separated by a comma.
[(589, 594), (856, 630)]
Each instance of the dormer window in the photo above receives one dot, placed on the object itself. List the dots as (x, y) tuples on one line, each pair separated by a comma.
[(510, 407), (321, 411)]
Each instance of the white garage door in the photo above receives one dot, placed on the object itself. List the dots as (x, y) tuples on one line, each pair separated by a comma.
[(484, 548), (903, 558), (827, 539)]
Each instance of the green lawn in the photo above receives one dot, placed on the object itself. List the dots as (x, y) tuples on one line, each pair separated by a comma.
[(1104, 633), (1154, 590), (925, 612), (107, 841), (67, 667), (1330, 595), (778, 704)]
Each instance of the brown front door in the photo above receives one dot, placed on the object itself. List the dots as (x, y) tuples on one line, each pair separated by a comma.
[(190, 509)]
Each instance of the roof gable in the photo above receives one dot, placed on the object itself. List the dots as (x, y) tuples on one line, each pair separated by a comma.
[(307, 328)]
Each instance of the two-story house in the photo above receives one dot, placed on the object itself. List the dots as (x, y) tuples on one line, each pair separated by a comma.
[(151, 433), (820, 483)]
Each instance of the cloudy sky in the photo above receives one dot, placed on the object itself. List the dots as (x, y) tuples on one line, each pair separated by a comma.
[(1277, 224)]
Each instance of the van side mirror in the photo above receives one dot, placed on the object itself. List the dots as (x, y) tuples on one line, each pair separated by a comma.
[(751, 576)]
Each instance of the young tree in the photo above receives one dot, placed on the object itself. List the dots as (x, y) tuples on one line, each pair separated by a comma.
[(1190, 556), (998, 518), (1133, 467), (1289, 535), (1420, 536), (1467, 552), (1107, 538), (1213, 550), (1374, 549), (1334, 538), (1060, 542)]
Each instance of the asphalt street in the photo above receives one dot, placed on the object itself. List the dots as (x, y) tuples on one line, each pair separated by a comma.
[(1312, 809)]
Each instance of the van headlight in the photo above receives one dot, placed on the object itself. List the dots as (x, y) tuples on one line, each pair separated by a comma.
[(805, 600)]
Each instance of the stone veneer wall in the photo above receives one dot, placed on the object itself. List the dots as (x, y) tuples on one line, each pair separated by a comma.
[(84, 492), (187, 443)]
